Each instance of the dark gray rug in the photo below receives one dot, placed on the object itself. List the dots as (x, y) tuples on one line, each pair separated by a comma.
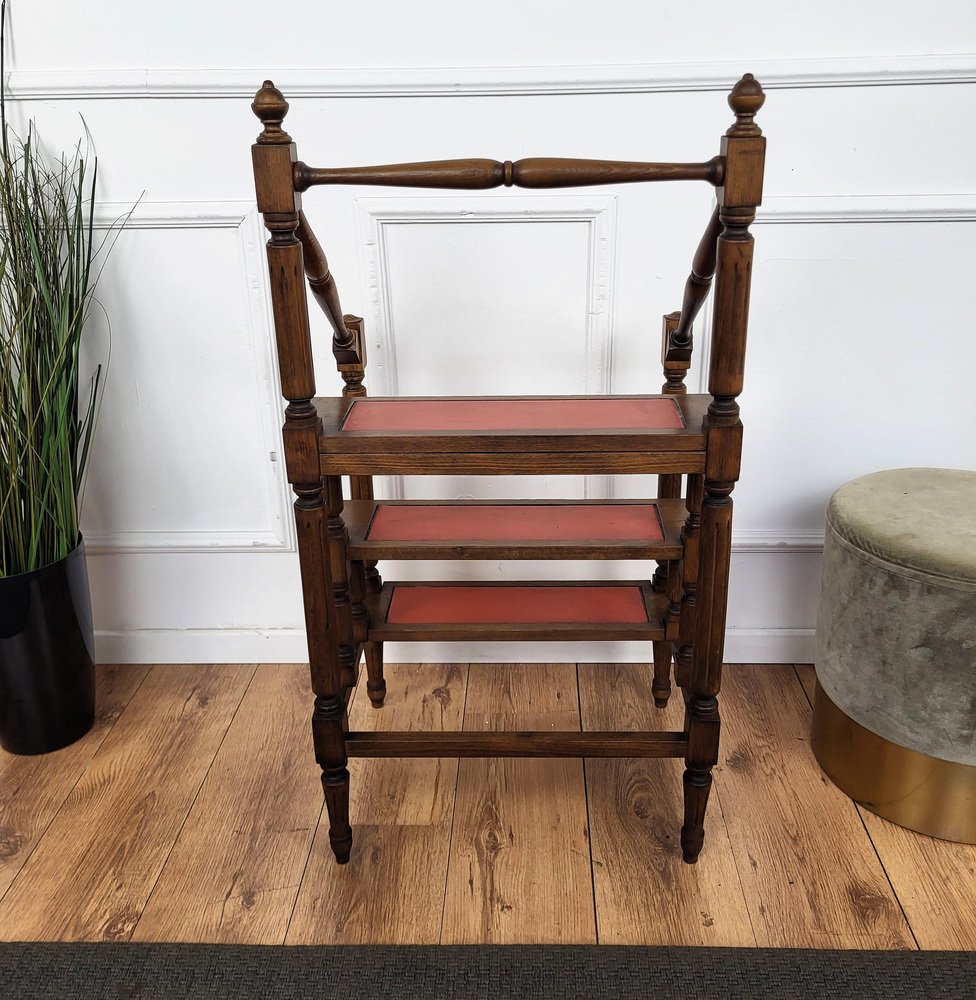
[(116, 971)]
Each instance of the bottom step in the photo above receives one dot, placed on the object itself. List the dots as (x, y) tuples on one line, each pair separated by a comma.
[(536, 611)]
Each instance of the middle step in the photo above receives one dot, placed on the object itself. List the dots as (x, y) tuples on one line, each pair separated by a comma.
[(515, 529), (529, 611)]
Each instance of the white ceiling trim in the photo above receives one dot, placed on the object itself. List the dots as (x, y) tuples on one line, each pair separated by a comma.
[(466, 81)]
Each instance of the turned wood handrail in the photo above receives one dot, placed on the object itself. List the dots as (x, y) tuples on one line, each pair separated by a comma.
[(679, 343), (534, 172), (323, 287)]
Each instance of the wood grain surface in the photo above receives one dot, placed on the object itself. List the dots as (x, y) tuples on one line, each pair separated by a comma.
[(392, 889), (90, 875), (934, 880), (101, 820), (810, 874), (520, 858), (233, 874), (644, 893), (33, 789)]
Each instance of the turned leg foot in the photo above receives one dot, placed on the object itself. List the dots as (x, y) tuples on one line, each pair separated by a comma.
[(335, 784), (702, 725), (375, 683), (697, 784), (661, 687), (329, 725)]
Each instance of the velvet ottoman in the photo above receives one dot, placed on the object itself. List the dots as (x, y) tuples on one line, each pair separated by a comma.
[(894, 721)]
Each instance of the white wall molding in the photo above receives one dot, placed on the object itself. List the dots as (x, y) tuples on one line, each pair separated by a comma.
[(837, 210), (468, 81), (882, 209), (865, 208), (598, 214), (278, 535), (212, 540), (771, 541), (189, 294), (826, 210), (175, 214)]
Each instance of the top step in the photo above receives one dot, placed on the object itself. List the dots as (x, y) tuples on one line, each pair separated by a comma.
[(586, 434)]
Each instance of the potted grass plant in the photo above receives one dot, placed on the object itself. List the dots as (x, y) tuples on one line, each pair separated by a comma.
[(48, 258)]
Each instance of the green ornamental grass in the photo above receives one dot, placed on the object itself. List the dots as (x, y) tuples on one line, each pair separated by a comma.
[(47, 253)]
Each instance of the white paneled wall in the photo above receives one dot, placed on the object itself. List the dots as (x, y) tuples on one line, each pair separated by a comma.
[(862, 346)]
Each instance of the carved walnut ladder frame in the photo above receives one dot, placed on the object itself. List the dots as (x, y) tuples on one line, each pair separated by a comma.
[(336, 588)]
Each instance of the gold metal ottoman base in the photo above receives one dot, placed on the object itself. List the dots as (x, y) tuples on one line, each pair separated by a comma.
[(935, 797)]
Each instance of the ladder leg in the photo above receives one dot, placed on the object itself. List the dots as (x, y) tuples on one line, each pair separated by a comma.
[(375, 682), (702, 721), (661, 688), (702, 724), (329, 726), (329, 723)]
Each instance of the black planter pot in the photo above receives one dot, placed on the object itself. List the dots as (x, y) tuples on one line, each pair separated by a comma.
[(47, 674)]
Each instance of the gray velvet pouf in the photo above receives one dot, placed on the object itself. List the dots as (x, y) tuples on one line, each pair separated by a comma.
[(895, 713)]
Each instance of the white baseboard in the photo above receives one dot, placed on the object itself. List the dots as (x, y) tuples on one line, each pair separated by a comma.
[(201, 645), (769, 645), (755, 645)]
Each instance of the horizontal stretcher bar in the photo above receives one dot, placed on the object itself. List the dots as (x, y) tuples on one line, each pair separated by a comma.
[(516, 744)]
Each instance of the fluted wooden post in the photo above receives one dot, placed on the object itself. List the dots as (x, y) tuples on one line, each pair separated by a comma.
[(668, 488), (273, 155), (363, 574), (676, 351), (338, 539), (743, 149), (360, 487), (668, 484)]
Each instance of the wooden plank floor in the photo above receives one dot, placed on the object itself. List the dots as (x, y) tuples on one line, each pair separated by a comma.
[(192, 812)]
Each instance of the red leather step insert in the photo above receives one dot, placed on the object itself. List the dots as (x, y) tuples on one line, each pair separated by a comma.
[(515, 522), (447, 605), (604, 413)]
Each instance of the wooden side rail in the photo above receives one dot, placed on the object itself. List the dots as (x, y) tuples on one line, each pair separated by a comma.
[(526, 744), (535, 172), (345, 343), (678, 342)]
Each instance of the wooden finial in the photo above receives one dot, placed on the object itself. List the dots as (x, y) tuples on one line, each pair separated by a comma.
[(746, 99), (271, 107)]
